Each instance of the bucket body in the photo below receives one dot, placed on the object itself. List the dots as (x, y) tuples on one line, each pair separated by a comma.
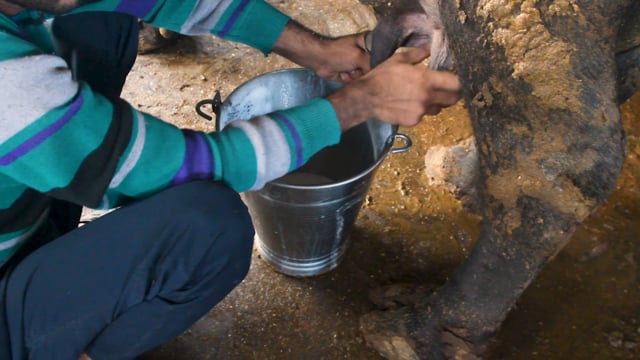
[(303, 220)]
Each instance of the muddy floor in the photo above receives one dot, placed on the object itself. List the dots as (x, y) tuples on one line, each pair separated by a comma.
[(585, 304)]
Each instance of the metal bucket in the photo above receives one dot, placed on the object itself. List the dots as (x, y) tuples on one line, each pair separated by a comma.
[(303, 220)]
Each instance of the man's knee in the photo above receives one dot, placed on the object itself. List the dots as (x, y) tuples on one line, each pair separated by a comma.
[(221, 221), (209, 204), (100, 47)]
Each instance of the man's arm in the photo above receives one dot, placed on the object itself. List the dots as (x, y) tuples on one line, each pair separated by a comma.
[(398, 91), (257, 24), (341, 59), (76, 145), (252, 22)]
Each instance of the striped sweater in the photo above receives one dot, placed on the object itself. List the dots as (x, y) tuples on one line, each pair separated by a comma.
[(59, 139)]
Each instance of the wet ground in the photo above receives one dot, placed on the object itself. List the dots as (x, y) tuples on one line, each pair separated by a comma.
[(585, 304)]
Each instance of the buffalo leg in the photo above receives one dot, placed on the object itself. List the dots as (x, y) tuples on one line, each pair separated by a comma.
[(541, 93)]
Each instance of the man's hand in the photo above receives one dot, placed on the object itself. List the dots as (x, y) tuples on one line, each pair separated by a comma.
[(344, 58), (398, 91), (339, 59)]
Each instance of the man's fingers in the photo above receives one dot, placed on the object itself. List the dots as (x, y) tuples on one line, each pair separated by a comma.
[(412, 55), (443, 80), (433, 110), (442, 98), (443, 91)]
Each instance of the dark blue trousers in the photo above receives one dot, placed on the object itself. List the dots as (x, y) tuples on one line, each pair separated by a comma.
[(136, 277), (100, 48), (130, 280)]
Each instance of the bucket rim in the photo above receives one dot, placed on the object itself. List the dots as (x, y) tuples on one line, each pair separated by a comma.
[(222, 122), (302, 72), (370, 169)]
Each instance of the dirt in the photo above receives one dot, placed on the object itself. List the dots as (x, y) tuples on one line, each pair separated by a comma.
[(584, 305)]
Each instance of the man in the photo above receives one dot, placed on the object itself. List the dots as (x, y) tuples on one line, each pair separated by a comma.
[(180, 239)]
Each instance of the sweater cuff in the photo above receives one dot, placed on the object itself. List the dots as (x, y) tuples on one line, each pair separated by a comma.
[(317, 125), (252, 22)]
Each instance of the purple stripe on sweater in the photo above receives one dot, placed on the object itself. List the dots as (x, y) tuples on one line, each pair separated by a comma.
[(43, 134), (139, 8), (234, 16), (198, 159), (294, 135)]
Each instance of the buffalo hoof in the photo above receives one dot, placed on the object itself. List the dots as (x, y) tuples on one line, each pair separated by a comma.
[(408, 328), (388, 333)]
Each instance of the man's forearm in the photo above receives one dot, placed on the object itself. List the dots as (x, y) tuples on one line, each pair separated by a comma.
[(299, 44)]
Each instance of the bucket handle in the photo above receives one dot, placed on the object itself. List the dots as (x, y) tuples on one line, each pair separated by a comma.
[(407, 143), (215, 102)]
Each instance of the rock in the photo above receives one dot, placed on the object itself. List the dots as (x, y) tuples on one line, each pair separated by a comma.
[(457, 169), (615, 339)]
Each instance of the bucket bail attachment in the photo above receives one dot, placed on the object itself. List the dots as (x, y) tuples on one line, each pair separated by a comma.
[(404, 138), (216, 103)]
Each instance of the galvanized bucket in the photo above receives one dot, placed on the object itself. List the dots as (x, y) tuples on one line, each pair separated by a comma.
[(303, 220)]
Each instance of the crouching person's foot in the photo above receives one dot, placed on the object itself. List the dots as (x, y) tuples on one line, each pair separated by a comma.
[(153, 39)]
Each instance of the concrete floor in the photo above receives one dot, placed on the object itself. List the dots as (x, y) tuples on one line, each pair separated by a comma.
[(583, 306)]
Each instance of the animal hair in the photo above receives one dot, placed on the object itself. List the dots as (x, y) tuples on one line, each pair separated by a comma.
[(441, 57)]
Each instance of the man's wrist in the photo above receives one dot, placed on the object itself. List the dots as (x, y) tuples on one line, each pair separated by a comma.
[(300, 44), (350, 107)]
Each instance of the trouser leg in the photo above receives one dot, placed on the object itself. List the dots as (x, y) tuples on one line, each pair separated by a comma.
[(131, 280), (100, 48), (105, 47)]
